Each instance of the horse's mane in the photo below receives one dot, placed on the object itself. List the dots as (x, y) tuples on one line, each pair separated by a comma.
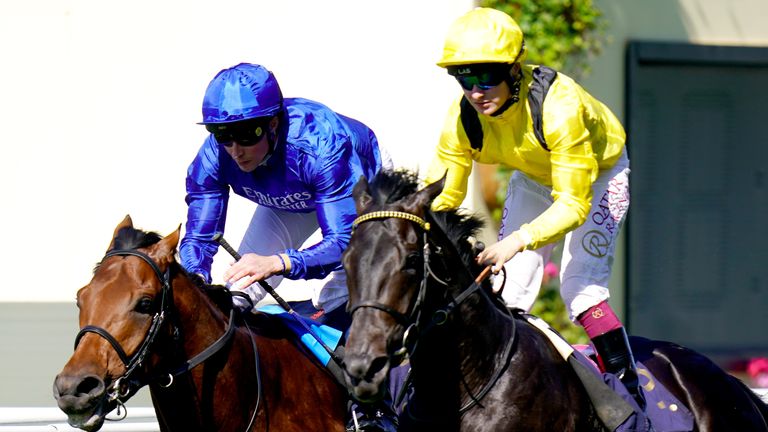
[(130, 238), (390, 186)]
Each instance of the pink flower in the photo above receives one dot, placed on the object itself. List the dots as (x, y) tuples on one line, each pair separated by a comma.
[(551, 270), (761, 380), (757, 366)]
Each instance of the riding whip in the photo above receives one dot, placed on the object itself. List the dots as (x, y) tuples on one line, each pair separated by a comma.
[(219, 238)]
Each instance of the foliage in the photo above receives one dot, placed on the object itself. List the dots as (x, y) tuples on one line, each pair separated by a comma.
[(561, 34), (550, 307)]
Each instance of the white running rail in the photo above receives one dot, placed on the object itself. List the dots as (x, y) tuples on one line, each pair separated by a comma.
[(138, 419), (51, 419), (763, 393)]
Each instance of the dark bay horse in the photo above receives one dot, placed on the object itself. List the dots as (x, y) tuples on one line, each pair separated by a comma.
[(145, 321), (474, 366)]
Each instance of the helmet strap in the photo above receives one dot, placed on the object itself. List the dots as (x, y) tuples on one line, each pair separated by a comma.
[(513, 82), (271, 141)]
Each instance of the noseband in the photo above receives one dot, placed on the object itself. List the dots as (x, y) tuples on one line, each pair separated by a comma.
[(123, 386)]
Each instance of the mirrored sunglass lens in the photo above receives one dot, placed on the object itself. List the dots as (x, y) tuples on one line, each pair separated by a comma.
[(223, 139), (489, 80), (241, 140), (245, 140), (244, 136), (484, 81), (467, 82)]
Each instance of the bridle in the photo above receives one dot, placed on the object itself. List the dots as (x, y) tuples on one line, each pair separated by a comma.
[(412, 320), (127, 384)]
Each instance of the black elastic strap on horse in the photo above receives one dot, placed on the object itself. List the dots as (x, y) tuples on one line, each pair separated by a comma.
[(543, 77)]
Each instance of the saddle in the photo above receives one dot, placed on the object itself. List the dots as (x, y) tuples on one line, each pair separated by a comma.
[(614, 405), (325, 328)]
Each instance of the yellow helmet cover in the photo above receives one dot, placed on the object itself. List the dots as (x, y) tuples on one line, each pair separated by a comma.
[(483, 35)]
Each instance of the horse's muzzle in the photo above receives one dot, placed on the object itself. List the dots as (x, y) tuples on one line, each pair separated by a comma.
[(82, 399), (366, 379)]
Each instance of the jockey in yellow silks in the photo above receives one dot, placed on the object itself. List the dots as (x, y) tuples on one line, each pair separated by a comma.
[(570, 179)]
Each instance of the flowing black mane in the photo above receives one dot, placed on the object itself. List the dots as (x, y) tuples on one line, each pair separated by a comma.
[(389, 186)]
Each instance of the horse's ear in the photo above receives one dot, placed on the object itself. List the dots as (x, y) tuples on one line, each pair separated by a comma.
[(362, 194), (127, 222), (165, 249), (425, 196)]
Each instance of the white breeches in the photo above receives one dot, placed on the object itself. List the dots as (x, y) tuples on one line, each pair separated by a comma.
[(588, 250)]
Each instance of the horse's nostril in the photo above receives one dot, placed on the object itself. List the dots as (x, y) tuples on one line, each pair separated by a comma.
[(376, 365), (90, 385)]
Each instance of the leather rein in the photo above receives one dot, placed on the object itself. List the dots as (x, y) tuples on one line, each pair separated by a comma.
[(440, 316), (125, 385)]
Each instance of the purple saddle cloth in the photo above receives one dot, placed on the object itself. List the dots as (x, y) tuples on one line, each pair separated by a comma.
[(663, 412)]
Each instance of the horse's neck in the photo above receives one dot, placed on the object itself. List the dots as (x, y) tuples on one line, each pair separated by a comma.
[(482, 334), (186, 405), (200, 320), (470, 343)]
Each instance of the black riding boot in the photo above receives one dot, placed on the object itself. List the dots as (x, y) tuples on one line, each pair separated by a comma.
[(616, 356)]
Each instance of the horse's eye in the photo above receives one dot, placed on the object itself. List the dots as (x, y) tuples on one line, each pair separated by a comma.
[(412, 264), (144, 305)]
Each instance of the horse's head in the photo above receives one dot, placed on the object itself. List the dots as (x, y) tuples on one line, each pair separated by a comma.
[(393, 249), (121, 312)]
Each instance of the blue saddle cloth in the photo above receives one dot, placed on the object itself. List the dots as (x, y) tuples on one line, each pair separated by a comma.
[(665, 412), (330, 336)]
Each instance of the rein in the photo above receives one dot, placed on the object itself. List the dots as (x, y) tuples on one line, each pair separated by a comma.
[(439, 316), (123, 386)]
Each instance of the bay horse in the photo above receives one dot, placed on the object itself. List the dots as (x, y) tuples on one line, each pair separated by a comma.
[(146, 321), (474, 365)]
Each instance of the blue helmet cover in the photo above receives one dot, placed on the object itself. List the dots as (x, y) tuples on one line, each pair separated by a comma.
[(241, 92)]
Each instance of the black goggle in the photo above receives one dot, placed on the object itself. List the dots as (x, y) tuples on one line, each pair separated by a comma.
[(483, 75), (245, 134), (484, 81)]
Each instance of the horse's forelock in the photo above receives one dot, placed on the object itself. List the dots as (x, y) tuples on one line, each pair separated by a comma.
[(389, 186), (129, 238)]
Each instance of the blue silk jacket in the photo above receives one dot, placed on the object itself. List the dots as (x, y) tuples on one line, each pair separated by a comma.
[(318, 158)]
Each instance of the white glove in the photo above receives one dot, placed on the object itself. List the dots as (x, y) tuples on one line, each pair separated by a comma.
[(254, 291)]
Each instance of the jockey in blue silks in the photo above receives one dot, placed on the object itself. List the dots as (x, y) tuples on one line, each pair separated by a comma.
[(295, 158), (298, 161)]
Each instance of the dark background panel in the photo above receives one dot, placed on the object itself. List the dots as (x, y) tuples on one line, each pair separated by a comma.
[(697, 242)]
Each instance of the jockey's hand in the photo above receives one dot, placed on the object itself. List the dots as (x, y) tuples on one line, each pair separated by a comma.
[(252, 268), (499, 253)]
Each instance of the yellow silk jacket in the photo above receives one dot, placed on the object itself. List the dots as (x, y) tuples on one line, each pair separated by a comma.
[(582, 137)]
